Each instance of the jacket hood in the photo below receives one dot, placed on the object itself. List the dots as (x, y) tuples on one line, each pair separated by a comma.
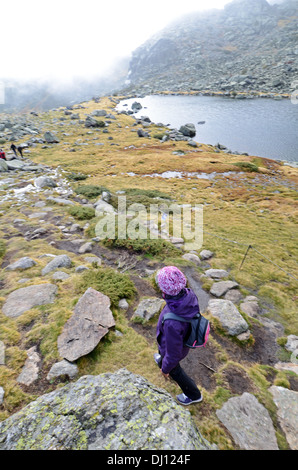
[(186, 305)]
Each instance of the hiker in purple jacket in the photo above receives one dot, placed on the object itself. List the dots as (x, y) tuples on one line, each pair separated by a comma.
[(170, 335)]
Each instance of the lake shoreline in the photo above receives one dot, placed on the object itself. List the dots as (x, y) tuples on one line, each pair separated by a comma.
[(223, 94), (230, 147)]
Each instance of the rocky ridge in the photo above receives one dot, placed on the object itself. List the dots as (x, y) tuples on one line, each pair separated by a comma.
[(248, 47)]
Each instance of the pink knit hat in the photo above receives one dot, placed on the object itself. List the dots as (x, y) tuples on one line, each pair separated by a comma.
[(171, 280)]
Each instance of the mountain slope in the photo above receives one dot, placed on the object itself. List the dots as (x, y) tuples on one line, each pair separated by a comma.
[(249, 45)]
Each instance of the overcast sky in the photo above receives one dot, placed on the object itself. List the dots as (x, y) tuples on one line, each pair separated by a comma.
[(64, 38)]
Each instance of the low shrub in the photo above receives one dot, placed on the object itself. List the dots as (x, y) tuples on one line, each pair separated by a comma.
[(108, 281), (247, 166), (146, 197), (159, 136), (76, 176), (152, 193), (82, 213), (90, 191), (159, 248)]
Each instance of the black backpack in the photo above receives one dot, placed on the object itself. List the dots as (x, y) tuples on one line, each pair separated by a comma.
[(199, 330)]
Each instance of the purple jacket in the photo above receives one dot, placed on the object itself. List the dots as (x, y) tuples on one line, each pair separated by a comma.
[(170, 335)]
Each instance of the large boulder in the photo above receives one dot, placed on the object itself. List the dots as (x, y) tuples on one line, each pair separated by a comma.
[(21, 300), (45, 182), (136, 106), (90, 322), (248, 422), (50, 138), (216, 273), (106, 412), (60, 261), (220, 288), (188, 130), (21, 264), (91, 122), (15, 164), (228, 315)]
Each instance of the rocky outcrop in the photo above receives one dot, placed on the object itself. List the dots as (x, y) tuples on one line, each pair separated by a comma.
[(250, 45), (104, 412)]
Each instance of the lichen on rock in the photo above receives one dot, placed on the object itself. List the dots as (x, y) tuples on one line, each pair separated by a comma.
[(110, 411)]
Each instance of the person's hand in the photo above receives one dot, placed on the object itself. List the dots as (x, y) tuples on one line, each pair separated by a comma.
[(166, 376)]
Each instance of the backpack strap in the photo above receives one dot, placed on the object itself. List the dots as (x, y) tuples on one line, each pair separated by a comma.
[(173, 316)]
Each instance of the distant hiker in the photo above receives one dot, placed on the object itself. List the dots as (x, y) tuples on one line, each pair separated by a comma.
[(14, 149), (170, 335), (2, 154), (20, 151)]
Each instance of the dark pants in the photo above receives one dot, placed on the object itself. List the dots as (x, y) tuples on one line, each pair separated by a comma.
[(186, 384)]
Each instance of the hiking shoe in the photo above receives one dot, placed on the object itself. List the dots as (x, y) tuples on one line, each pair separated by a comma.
[(184, 400), (157, 358)]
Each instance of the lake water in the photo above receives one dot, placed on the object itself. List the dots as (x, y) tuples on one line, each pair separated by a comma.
[(261, 126)]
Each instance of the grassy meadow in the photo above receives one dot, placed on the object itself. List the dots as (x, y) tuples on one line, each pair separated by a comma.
[(255, 204), (252, 208)]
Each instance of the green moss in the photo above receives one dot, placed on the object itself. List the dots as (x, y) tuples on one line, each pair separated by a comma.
[(221, 396), (281, 441), (281, 380)]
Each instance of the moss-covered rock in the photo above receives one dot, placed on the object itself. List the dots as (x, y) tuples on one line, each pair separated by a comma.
[(108, 411)]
